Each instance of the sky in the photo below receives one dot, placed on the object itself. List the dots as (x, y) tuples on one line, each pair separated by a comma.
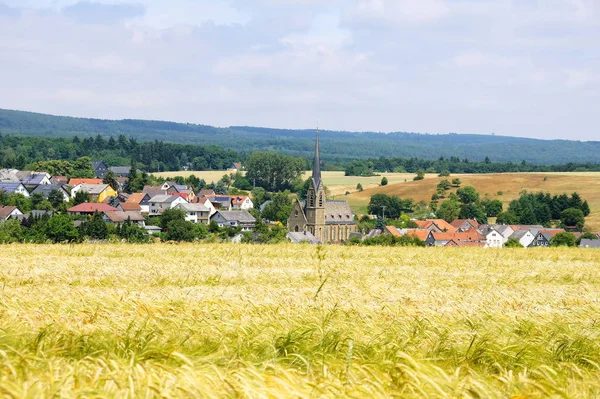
[(527, 68)]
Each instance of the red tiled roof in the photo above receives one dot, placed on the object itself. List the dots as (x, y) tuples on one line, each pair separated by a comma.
[(393, 231), (136, 197), (238, 200), (419, 233), (130, 206), (88, 207), (458, 222), (74, 182)]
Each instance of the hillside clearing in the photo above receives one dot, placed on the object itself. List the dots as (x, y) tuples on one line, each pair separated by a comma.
[(298, 321)]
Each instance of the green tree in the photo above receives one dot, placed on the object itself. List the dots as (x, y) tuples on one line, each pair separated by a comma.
[(563, 240), (492, 207), (573, 217), (420, 175), (180, 230), (274, 172), (449, 211), (56, 198), (170, 215), (279, 209), (133, 233), (60, 228), (507, 218), (110, 179), (82, 168), (384, 181), (456, 182), (444, 185), (513, 243), (11, 231), (81, 197), (259, 196), (444, 173), (95, 227), (468, 195), (359, 187)]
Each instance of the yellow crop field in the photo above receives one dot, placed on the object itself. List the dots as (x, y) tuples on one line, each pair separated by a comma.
[(225, 320)]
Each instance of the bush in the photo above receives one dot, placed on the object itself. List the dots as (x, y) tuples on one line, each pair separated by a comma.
[(563, 240), (513, 243), (384, 181)]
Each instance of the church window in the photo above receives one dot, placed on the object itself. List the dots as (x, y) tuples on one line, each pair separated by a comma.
[(296, 213), (296, 229), (321, 199), (311, 199)]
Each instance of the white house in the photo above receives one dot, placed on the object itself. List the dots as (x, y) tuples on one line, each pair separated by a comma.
[(525, 237), (160, 203), (496, 234), (241, 202), (34, 178), (14, 188), (195, 213), (7, 212), (206, 202)]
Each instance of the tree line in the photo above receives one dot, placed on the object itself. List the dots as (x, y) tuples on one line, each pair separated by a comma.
[(445, 166)]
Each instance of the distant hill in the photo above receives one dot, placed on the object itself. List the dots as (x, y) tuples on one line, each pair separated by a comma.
[(336, 145)]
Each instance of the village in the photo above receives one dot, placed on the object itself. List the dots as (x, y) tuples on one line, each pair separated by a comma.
[(314, 220)]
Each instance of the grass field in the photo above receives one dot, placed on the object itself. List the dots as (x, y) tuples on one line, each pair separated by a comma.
[(297, 321), (504, 186)]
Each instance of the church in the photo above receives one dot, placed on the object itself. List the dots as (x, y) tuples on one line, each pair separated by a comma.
[(328, 221)]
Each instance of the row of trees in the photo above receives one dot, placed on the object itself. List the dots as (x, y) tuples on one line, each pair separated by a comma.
[(445, 166), (542, 208)]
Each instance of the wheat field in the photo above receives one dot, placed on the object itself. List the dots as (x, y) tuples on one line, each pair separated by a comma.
[(237, 321)]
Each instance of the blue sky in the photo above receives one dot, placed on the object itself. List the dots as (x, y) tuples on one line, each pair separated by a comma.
[(514, 67)]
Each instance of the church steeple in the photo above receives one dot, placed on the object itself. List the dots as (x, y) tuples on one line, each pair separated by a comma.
[(316, 172)]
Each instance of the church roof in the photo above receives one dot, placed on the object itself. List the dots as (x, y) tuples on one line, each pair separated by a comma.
[(338, 212)]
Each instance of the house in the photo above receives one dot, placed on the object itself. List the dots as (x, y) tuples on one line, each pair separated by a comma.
[(142, 199), (119, 217), (241, 219), (241, 202), (14, 188), (235, 167), (89, 208), (525, 237), (496, 234), (62, 180), (187, 195), (302, 237), (120, 171), (34, 178), (129, 207), (153, 191), (97, 192), (438, 225), (7, 212), (543, 237), (46, 189), (587, 243), (465, 224), (471, 244), (9, 175), (100, 168), (162, 202), (206, 202), (221, 202), (206, 193), (75, 182), (195, 213), (440, 239), (422, 234)]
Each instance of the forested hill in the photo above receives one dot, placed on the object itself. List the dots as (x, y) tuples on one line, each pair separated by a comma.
[(336, 146)]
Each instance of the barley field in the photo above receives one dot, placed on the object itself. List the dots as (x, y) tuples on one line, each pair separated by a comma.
[(237, 321)]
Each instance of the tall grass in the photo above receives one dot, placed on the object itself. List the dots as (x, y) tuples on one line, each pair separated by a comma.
[(295, 321)]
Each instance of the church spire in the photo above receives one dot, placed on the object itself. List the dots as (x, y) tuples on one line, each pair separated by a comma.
[(316, 173)]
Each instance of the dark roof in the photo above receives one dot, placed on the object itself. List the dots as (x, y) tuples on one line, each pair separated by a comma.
[(338, 212), (33, 178), (46, 188), (587, 243), (241, 216), (120, 170), (9, 187)]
